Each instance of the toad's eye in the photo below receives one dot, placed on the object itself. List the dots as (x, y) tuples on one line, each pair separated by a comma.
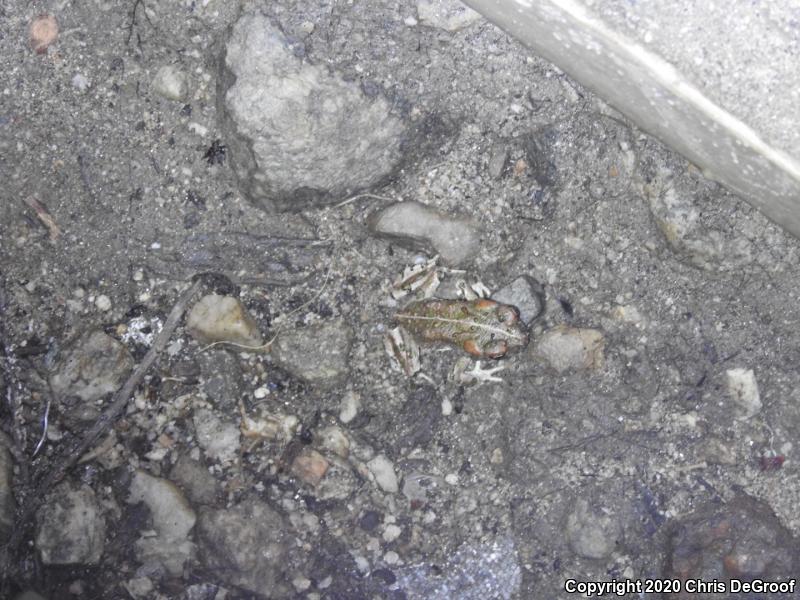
[(507, 314)]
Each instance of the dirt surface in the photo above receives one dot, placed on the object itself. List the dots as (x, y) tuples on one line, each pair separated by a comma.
[(114, 197)]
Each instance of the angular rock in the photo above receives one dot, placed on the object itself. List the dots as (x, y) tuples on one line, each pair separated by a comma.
[(591, 532), (741, 539), (219, 439), (217, 318), (569, 348), (317, 354), (171, 83), (456, 240), (70, 528), (299, 134), (526, 294), (450, 15), (309, 466), (246, 545), (743, 392), (172, 519), (95, 365)]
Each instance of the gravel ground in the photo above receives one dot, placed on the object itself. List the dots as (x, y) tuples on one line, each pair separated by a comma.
[(646, 431)]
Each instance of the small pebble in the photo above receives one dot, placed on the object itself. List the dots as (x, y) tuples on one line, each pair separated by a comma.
[(43, 32), (391, 532), (80, 82), (301, 584), (171, 83), (391, 557), (348, 409), (103, 303), (260, 393), (383, 470), (451, 479)]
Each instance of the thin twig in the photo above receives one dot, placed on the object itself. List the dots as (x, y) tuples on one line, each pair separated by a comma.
[(360, 196), (104, 422)]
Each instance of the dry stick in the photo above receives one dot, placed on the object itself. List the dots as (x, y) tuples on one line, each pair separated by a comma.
[(101, 426)]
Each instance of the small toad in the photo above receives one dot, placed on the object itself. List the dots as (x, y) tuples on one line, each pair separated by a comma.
[(484, 328)]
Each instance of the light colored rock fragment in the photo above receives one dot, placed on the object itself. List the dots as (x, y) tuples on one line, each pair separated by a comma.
[(526, 294), (217, 318), (567, 348), (70, 528), (383, 471), (743, 392), (456, 240), (171, 83), (317, 354), (219, 439), (95, 365), (450, 15), (349, 406), (298, 134), (309, 466), (172, 519), (199, 485)]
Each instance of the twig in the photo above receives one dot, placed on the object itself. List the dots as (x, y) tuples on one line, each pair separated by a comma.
[(44, 428), (360, 196), (106, 420), (44, 216)]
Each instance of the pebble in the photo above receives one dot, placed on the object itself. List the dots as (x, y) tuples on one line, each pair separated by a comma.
[(246, 545), (455, 239), (310, 466), (450, 15), (318, 354), (348, 407), (103, 303), (566, 348), (172, 519), (80, 82), (383, 471), (70, 528), (171, 83), (219, 439), (743, 392), (590, 531), (498, 160), (95, 365), (200, 486), (334, 440), (391, 532), (369, 520), (317, 142), (527, 294), (217, 318), (139, 588), (42, 32)]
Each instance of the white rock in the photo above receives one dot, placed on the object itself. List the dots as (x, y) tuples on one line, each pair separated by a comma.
[(383, 470), (219, 439), (743, 392), (450, 15), (222, 319), (102, 302), (391, 532), (171, 83), (348, 408)]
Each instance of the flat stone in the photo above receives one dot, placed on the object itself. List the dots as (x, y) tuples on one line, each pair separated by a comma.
[(217, 318), (171, 83), (70, 528), (455, 239), (590, 531), (246, 545), (450, 15), (219, 439), (95, 365), (526, 294), (298, 134), (317, 354), (566, 348)]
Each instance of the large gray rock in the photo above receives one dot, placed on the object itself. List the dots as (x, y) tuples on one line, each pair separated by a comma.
[(246, 545), (70, 527), (298, 133)]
